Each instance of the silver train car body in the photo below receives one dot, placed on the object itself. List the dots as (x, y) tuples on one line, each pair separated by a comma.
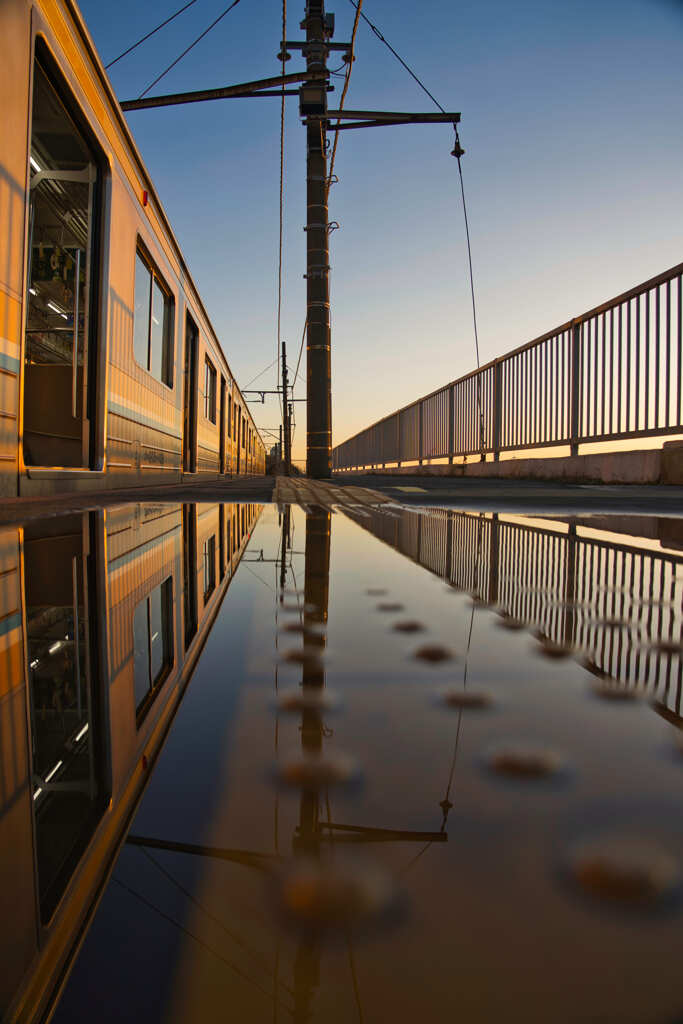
[(110, 371)]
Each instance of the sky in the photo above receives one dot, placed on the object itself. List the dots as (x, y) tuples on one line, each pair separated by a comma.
[(572, 122)]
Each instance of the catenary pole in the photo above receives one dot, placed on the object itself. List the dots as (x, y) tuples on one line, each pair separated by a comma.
[(318, 374)]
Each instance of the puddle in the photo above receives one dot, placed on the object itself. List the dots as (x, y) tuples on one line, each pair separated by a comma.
[(481, 827)]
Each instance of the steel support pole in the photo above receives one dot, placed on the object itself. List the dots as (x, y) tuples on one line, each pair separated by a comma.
[(318, 372), (285, 413)]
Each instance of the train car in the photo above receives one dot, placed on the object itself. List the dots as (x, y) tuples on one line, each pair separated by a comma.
[(110, 371), (99, 640)]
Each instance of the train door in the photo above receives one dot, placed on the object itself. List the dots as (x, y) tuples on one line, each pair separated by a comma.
[(66, 696), (221, 421), (190, 397), (190, 573), (62, 289)]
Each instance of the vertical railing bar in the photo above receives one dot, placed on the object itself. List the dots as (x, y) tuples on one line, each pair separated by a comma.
[(603, 368), (530, 393), (629, 363), (657, 354), (636, 425), (611, 370), (679, 369), (620, 325), (547, 355), (647, 362), (536, 393), (667, 385)]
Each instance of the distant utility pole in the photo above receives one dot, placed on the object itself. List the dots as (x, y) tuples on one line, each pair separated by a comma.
[(313, 109), (286, 414)]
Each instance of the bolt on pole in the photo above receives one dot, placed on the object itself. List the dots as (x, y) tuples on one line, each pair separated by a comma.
[(313, 101)]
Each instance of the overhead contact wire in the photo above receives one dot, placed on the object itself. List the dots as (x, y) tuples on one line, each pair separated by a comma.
[(190, 47), (148, 35)]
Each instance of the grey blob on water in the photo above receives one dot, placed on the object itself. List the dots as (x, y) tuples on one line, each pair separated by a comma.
[(334, 896), (433, 653), (624, 869), (389, 606), (309, 657), (665, 646), (310, 771), (376, 592), (408, 626), (508, 622), (519, 759), (454, 697), (550, 649), (307, 698), (611, 689)]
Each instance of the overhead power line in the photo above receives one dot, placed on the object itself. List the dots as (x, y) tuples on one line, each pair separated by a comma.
[(347, 80), (458, 152), (282, 199), (396, 55), (301, 348), (190, 47), (245, 386), (149, 35)]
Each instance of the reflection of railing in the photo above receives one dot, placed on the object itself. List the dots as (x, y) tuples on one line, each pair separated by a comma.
[(616, 605), (614, 372)]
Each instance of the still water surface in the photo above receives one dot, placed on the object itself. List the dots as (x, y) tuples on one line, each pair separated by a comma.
[(386, 765)]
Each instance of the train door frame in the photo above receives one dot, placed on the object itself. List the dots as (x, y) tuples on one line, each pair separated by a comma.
[(92, 394), (221, 428), (89, 579), (190, 393)]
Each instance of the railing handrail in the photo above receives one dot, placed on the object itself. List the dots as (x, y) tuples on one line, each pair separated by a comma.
[(604, 307)]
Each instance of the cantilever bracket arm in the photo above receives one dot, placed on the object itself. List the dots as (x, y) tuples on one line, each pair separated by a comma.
[(257, 88), (380, 118)]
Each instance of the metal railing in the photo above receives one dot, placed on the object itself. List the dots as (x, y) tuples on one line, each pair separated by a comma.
[(613, 373), (616, 606)]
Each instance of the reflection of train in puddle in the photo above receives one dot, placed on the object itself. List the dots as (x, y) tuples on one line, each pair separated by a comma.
[(102, 617)]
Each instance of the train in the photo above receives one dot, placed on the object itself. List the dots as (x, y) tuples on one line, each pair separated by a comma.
[(111, 374), (98, 643)]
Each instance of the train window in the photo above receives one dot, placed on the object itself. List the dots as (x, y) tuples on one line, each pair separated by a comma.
[(209, 566), (153, 645), (210, 391), (152, 322)]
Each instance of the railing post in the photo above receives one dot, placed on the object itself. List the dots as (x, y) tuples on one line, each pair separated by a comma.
[(574, 387), (451, 425), (494, 549), (419, 433), (497, 407), (398, 440)]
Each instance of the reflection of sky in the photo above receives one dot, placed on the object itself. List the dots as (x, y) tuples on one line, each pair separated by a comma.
[(571, 121), (489, 923)]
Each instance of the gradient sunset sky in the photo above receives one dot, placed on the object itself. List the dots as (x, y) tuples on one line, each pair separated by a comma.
[(572, 119)]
